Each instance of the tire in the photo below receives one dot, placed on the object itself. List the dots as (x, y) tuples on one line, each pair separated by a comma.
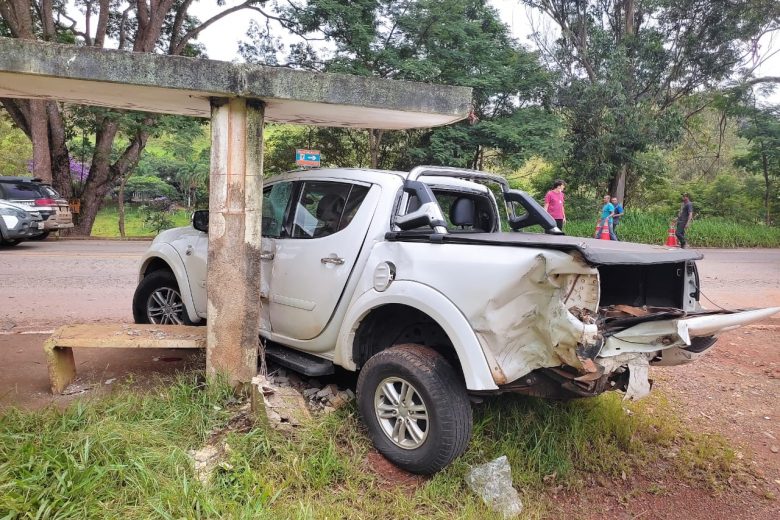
[(42, 236), (158, 300), (9, 242), (437, 393)]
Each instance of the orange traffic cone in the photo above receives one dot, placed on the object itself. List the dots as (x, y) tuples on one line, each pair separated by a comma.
[(671, 237), (605, 232)]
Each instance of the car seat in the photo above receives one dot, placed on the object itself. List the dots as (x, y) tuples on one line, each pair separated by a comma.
[(329, 210), (463, 212)]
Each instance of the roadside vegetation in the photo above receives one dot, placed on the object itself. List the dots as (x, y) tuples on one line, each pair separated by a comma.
[(140, 221), (125, 455), (650, 228)]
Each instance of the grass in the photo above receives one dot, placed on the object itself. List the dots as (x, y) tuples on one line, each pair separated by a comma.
[(125, 456), (107, 222), (651, 228)]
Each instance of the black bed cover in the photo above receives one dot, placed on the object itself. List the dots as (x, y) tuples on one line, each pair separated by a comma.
[(595, 252)]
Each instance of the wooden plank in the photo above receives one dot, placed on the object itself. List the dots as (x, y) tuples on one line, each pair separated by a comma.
[(108, 335), (59, 347)]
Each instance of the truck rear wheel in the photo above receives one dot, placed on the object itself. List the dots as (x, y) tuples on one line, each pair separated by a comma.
[(415, 407)]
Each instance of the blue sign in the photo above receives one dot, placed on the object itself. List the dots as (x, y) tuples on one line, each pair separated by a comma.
[(307, 157)]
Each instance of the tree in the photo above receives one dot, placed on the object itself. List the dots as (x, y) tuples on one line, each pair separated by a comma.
[(761, 127), (625, 65), (457, 42), (161, 26), (15, 149)]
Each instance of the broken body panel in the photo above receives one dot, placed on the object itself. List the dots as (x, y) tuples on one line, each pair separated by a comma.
[(580, 316)]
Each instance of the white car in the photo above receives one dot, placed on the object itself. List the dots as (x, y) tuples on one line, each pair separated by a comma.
[(17, 223), (425, 283)]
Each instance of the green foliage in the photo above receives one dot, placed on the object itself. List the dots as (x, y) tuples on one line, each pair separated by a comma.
[(652, 228), (15, 148), (761, 128), (125, 455), (158, 214), (148, 186), (623, 80), (459, 42), (179, 156), (135, 215)]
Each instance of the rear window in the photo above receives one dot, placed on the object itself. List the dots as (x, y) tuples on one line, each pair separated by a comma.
[(20, 190), (50, 192)]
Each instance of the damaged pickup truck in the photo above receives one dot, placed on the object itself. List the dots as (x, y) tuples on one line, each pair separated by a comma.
[(427, 284)]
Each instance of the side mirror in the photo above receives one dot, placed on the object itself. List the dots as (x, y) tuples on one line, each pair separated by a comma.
[(535, 214), (428, 214), (200, 220)]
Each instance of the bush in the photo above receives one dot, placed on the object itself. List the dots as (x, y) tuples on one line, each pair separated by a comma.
[(158, 214), (652, 228)]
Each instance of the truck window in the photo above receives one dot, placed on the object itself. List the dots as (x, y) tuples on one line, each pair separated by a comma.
[(276, 199), (325, 208)]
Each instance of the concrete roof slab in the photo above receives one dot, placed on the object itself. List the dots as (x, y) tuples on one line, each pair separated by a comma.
[(179, 85)]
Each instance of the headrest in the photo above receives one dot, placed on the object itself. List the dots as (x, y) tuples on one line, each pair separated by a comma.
[(330, 206), (463, 212)]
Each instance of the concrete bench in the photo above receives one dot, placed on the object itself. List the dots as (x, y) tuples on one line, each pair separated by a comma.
[(59, 347)]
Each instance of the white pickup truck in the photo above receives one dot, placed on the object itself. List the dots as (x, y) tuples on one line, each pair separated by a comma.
[(426, 283)]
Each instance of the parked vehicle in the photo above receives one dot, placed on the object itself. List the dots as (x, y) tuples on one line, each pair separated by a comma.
[(17, 224), (41, 198), (426, 283)]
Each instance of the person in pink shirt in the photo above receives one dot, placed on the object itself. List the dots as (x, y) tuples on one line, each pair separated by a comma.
[(553, 203)]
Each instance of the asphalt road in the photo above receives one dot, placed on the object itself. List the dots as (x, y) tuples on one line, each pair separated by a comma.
[(55, 282)]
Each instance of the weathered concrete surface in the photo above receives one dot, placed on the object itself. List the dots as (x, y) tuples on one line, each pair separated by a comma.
[(235, 217), (179, 85), (59, 347)]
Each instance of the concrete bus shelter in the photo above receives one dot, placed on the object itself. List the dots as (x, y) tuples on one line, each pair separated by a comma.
[(238, 98)]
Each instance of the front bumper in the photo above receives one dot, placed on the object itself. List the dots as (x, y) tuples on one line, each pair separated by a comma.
[(15, 228)]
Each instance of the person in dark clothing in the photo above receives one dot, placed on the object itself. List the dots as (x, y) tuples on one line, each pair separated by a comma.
[(684, 219), (618, 213)]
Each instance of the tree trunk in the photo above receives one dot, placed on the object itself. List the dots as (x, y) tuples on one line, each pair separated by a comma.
[(60, 155), (374, 142), (765, 166), (617, 186), (120, 201), (39, 128)]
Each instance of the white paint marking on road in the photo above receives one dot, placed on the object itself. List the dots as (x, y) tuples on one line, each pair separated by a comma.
[(12, 333)]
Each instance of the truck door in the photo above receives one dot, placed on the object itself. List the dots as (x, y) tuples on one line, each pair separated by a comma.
[(276, 204), (327, 223)]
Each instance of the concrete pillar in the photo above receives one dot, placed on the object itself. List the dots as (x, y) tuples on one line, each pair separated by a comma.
[(235, 216)]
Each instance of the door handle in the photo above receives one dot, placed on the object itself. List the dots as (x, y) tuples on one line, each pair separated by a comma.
[(332, 260), (267, 256)]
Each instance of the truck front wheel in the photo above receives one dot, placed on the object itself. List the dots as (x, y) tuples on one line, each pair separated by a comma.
[(415, 407)]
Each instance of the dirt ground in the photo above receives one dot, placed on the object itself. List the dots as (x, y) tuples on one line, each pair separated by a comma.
[(732, 391)]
